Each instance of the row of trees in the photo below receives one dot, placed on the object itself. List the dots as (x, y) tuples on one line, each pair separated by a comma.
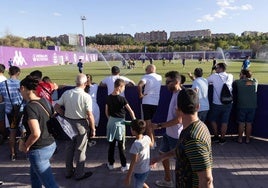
[(126, 43)]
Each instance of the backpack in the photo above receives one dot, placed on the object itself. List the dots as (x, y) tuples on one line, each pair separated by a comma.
[(226, 96)]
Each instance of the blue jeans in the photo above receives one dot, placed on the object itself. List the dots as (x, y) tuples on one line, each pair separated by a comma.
[(41, 173), (139, 179)]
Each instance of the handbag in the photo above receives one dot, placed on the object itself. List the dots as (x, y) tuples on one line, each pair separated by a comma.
[(53, 125), (21, 142), (15, 115)]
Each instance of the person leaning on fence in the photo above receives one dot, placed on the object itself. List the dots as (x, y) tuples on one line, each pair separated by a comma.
[(78, 111), (200, 84), (92, 90), (109, 80), (39, 144), (219, 112), (245, 91), (115, 110), (10, 94), (149, 91)]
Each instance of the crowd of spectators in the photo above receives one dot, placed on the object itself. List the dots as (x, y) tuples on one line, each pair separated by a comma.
[(187, 108)]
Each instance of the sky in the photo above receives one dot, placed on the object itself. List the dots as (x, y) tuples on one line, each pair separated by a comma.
[(26, 18)]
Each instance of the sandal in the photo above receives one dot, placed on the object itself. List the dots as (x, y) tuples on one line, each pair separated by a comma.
[(240, 140)]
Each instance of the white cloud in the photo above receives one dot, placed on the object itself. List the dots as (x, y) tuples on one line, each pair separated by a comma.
[(206, 18), (221, 13), (223, 3), (246, 7), (56, 14), (225, 7)]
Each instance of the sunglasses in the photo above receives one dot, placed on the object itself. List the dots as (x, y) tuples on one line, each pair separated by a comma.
[(169, 81)]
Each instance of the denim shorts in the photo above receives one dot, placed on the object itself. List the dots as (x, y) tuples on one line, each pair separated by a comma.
[(148, 111), (168, 143), (139, 179), (220, 113), (202, 115), (246, 115)]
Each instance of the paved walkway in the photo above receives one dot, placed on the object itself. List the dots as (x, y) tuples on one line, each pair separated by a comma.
[(235, 166)]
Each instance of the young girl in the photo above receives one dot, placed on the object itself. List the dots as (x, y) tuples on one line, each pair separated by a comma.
[(140, 150), (115, 112)]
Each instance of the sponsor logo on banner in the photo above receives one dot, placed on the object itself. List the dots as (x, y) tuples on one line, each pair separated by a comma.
[(39, 57), (18, 59)]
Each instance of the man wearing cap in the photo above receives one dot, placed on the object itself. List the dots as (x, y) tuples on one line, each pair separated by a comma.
[(109, 80)]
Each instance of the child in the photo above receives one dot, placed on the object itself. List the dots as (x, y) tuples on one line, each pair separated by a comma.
[(140, 150), (115, 112)]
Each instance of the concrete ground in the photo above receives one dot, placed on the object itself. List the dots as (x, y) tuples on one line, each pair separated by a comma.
[(235, 166)]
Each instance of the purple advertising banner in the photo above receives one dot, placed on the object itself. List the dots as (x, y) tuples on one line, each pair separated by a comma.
[(28, 57)]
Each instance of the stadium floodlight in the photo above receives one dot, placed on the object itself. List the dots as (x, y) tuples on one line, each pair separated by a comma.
[(83, 18)]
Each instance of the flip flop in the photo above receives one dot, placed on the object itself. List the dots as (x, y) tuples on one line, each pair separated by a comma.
[(240, 141)]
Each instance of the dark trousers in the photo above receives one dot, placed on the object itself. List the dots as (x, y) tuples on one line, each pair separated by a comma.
[(121, 152)]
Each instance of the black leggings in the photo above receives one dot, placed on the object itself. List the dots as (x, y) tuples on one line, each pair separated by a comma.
[(121, 152)]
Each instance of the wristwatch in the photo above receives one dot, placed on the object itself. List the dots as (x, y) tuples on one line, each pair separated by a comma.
[(159, 126)]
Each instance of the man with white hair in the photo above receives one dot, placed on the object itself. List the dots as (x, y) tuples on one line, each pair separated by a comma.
[(78, 111)]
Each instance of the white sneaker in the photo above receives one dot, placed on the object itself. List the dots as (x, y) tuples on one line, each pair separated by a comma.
[(164, 183), (125, 168), (110, 167)]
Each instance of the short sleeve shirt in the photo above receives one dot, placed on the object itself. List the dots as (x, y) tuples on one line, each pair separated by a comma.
[(152, 88), (116, 106), (175, 130), (217, 80), (194, 154), (142, 149), (33, 110), (76, 103), (109, 81)]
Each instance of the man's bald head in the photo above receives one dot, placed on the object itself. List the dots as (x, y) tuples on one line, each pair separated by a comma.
[(150, 69)]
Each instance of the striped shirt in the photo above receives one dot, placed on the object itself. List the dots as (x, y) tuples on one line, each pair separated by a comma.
[(194, 154), (14, 91)]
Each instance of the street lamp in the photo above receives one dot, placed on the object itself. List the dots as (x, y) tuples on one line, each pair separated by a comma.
[(83, 18)]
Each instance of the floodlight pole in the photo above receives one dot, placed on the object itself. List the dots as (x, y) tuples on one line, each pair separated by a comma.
[(83, 18)]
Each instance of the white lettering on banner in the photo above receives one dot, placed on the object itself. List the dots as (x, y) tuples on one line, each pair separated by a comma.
[(55, 58), (66, 57), (75, 57), (40, 57)]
